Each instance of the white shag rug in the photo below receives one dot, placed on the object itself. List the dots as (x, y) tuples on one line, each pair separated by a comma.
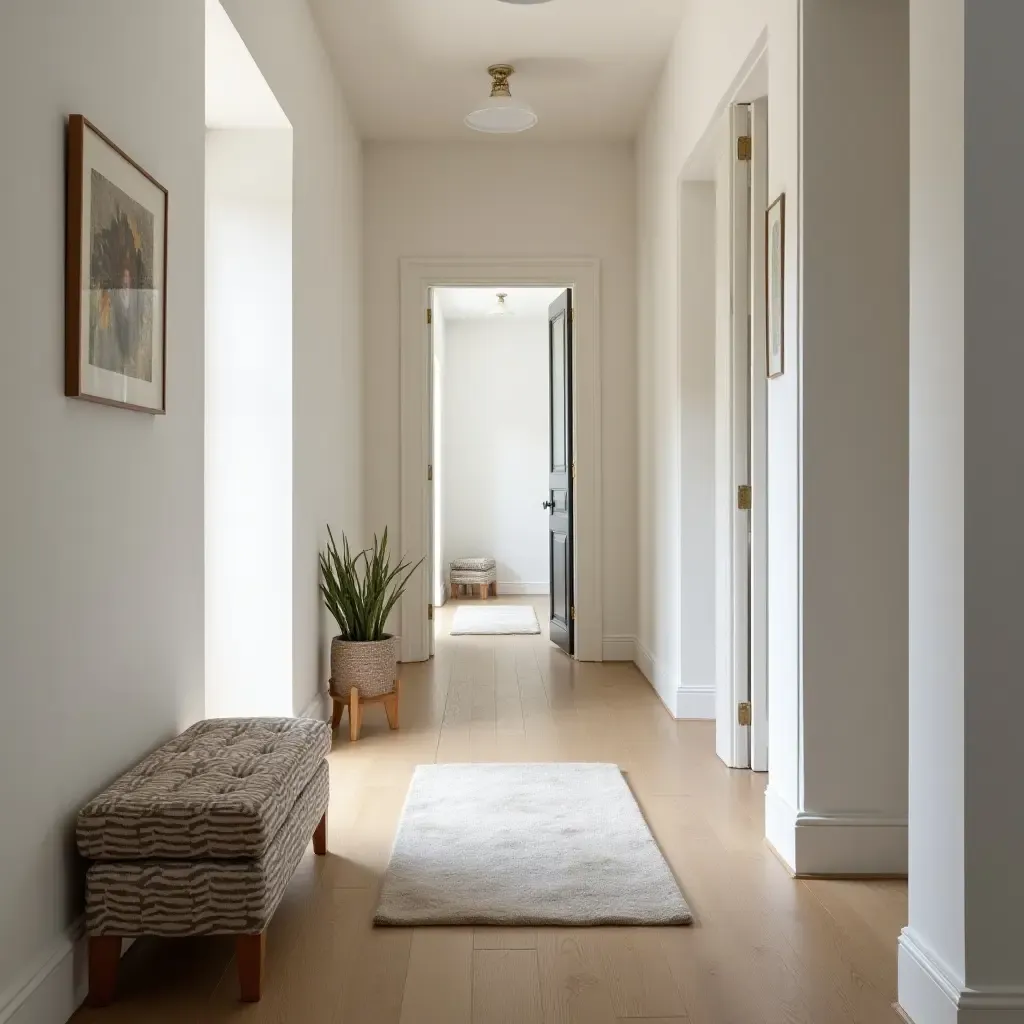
[(529, 845), (485, 619)]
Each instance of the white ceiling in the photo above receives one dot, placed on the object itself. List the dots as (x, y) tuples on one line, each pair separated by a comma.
[(412, 69), (477, 303), (237, 94)]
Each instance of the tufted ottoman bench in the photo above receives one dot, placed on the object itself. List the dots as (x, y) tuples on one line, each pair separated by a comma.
[(202, 837)]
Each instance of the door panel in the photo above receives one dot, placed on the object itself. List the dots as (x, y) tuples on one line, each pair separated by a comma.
[(560, 498)]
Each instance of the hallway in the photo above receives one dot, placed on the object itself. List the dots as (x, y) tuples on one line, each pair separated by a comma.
[(763, 949)]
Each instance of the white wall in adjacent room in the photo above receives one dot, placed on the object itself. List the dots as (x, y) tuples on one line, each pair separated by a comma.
[(495, 450)]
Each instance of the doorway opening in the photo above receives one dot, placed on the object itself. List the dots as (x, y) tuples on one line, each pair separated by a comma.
[(499, 416), (572, 334)]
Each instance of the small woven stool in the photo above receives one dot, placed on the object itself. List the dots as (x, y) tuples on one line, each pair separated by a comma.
[(480, 574)]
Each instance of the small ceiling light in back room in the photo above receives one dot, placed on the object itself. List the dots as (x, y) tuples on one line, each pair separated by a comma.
[(501, 115), (501, 309)]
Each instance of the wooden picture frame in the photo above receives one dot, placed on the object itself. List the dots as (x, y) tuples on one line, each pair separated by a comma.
[(775, 287), (115, 316)]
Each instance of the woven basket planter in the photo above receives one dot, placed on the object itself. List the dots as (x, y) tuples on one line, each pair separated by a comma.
[(370, 666)]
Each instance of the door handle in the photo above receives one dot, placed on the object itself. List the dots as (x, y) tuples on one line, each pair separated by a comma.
[(547, 504)]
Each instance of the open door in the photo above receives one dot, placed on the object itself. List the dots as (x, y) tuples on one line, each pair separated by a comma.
[(561, 471)]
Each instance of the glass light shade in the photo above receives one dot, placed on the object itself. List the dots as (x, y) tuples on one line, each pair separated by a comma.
[(501, 115)]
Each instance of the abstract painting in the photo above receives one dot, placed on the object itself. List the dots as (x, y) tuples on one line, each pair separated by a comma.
[(775, 272), (116, 268)]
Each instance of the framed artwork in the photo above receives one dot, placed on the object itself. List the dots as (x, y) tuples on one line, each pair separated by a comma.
[(775, 277), (115, 275)]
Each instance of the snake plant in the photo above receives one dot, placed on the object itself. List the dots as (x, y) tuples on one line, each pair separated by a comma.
[(360, 590)]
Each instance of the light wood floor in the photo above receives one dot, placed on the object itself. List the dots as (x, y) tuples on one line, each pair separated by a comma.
[(764, 949)]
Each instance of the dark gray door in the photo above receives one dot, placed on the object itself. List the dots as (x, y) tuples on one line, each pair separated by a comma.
[(560, 496)]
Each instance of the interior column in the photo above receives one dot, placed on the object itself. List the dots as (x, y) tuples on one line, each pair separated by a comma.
[(960, 958), (842, 808)]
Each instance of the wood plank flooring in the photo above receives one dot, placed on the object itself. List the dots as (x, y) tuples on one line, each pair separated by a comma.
[(764, 949)]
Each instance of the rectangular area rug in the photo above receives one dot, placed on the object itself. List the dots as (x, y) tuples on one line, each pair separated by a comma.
[(526, 844), (488, 619)]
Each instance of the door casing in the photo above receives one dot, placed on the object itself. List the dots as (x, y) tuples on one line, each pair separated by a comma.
[(418, 276)]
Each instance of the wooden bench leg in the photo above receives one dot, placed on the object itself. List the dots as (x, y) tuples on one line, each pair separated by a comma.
[(483, 588), (250, 952), (320, 837), (391, 705), (354, 714), (494, 588), (104, 956)]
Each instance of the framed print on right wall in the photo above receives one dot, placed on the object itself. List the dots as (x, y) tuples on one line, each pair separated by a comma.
[(775, 278)]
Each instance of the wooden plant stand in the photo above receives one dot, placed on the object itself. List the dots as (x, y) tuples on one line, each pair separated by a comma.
[(483, 590), (355, 704)]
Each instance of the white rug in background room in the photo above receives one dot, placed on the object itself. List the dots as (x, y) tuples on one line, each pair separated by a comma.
[(526, 844), (486, 619)]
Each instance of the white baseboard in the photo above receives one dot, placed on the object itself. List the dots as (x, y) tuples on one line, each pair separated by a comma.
[(318, 707), (618, 648), (695, 702), (517, 588), (55, 984), (840, 845), (931, 993), (644, 661)]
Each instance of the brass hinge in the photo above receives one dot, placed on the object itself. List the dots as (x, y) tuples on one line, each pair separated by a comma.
[(574, 469), (572, 314), (430, 471), (572, 612), (743, 148), (430, 316), (743, 713), (430, 611), (743, 497)]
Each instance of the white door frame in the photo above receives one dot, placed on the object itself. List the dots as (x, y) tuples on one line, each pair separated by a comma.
[(732, 462), (758, 439), (417, 277)]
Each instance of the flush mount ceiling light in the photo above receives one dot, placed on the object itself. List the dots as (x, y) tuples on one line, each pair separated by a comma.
[(501, 115), (501, 309)]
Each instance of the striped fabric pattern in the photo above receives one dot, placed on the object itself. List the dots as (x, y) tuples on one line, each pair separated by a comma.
[(473, 564), (220, 790), (472, 572), (204, 897)]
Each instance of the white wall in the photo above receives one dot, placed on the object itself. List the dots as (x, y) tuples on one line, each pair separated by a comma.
[(249, 422), (498, 198), (845, 594), (675, 338), (327, 320), (101, 519), (496, 446), (101, 569)]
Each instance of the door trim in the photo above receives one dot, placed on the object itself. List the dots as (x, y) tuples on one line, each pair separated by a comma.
[(732, 464), (417, 275)]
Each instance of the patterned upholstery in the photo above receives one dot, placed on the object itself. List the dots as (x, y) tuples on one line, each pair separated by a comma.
[(473, 564), (204, 897), (472, 572), (220, 790)]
